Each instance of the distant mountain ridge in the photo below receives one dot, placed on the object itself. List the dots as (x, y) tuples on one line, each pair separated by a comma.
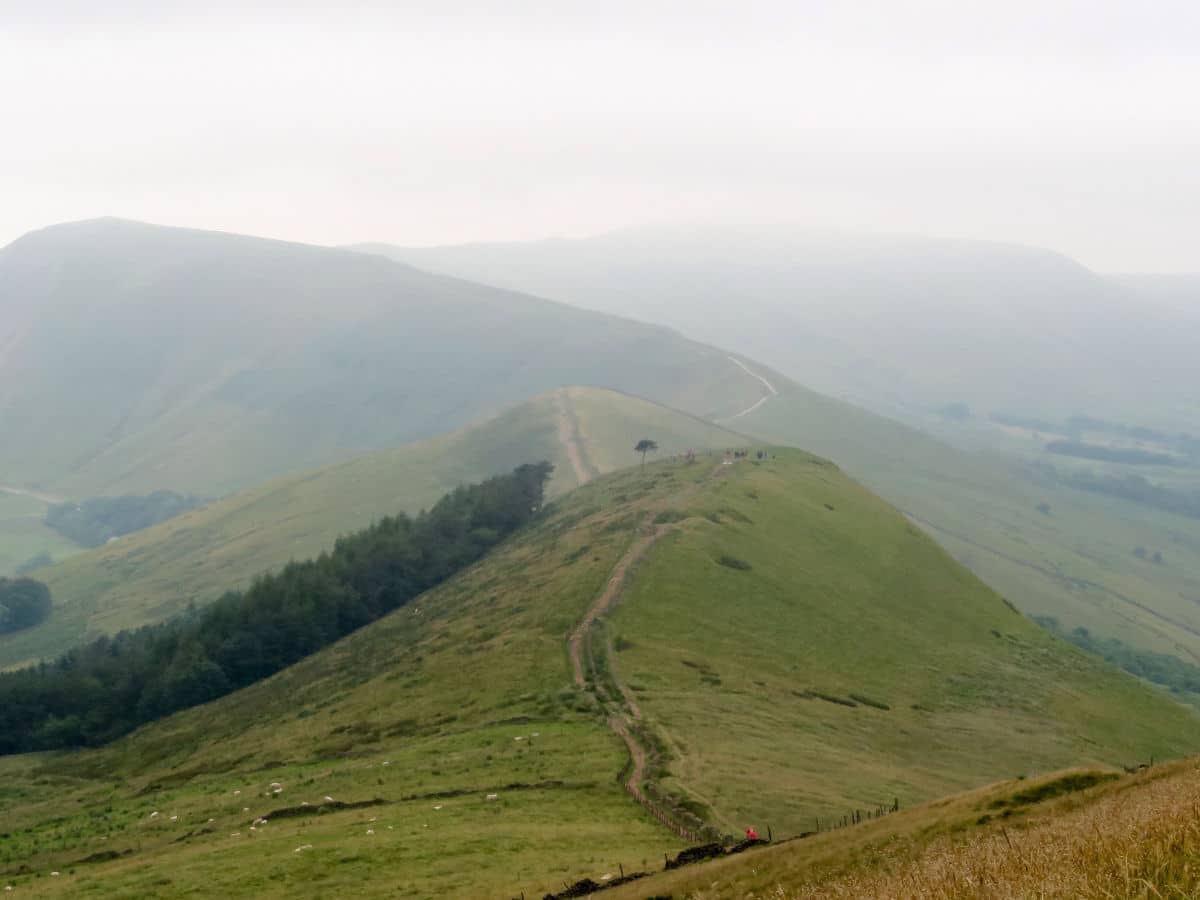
[(135, 357), (900, 325)]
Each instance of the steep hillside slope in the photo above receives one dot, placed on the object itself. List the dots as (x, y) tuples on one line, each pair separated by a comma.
[(899, 325), (1050, 549), (136, 357), (1067, 834), (773, 659), (194, 558)]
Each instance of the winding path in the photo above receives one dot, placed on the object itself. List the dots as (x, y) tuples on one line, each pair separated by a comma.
[(568, 436), (770, 387), (623, 721), (607, 597), (620, 722), (21, 492)]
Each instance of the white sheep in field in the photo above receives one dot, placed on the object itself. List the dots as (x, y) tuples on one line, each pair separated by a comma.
[(302, 848), (154, 815), (492, 797), (370, 831), (328, 799)]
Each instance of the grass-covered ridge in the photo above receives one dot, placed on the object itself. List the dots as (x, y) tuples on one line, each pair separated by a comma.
[(1079, 833), (194, 558), (468, 691)]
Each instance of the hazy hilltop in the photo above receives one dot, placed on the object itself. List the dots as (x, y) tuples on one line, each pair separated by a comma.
[(135, 357), (901, 325)]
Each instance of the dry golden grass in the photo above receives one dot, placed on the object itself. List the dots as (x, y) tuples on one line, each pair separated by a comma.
[(1141, 840)]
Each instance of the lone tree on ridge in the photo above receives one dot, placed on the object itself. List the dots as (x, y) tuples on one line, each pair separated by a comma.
[(644, 446)]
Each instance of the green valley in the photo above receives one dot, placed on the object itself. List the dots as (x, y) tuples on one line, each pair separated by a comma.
[(792, 645)]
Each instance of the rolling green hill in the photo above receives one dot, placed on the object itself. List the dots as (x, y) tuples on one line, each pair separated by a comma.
[(903, 326), (783, 646), (1074, 561), (135, 357), (152, 574)]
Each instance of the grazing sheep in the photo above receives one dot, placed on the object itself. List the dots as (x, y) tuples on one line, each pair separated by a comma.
[(154, 815), (174, 818), (439, 806), (492, 797), (370, 831), (54, 874), (302, 847), (236, 834), (328, 799), (237, 793), (8, 887)]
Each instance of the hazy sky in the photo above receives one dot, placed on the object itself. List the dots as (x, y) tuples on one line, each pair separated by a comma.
[(1074, 125)]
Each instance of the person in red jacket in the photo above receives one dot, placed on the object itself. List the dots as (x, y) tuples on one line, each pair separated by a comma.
[(752, 834)]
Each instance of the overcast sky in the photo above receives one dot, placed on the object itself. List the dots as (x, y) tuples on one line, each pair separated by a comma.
[(1073, 125)]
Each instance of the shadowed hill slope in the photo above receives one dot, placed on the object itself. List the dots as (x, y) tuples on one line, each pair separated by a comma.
[(194, 558), (135, 357), (787, 660)]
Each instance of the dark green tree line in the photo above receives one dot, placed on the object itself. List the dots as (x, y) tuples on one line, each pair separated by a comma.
[(106, 688)]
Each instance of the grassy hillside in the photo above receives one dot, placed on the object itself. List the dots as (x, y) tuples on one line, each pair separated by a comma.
[(745, 601), (136, 357), (1074, 561), (147, 576), (1075, 833)]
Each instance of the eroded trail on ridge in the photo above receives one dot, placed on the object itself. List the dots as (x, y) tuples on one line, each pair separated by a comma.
[(568, 436), (607, 597), (623, 722)]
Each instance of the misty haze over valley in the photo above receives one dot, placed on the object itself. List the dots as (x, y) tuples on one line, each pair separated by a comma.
[(456, 451)]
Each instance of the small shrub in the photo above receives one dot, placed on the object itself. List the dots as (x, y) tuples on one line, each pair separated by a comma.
[(732, 562), (736, 515), (578, 553), (867, 701), (622, 643), (669, 515), (833, 698)]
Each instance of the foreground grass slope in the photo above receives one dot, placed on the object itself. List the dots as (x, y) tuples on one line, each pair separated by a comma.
[(756, 605), (194, 558), (1075, 833)]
